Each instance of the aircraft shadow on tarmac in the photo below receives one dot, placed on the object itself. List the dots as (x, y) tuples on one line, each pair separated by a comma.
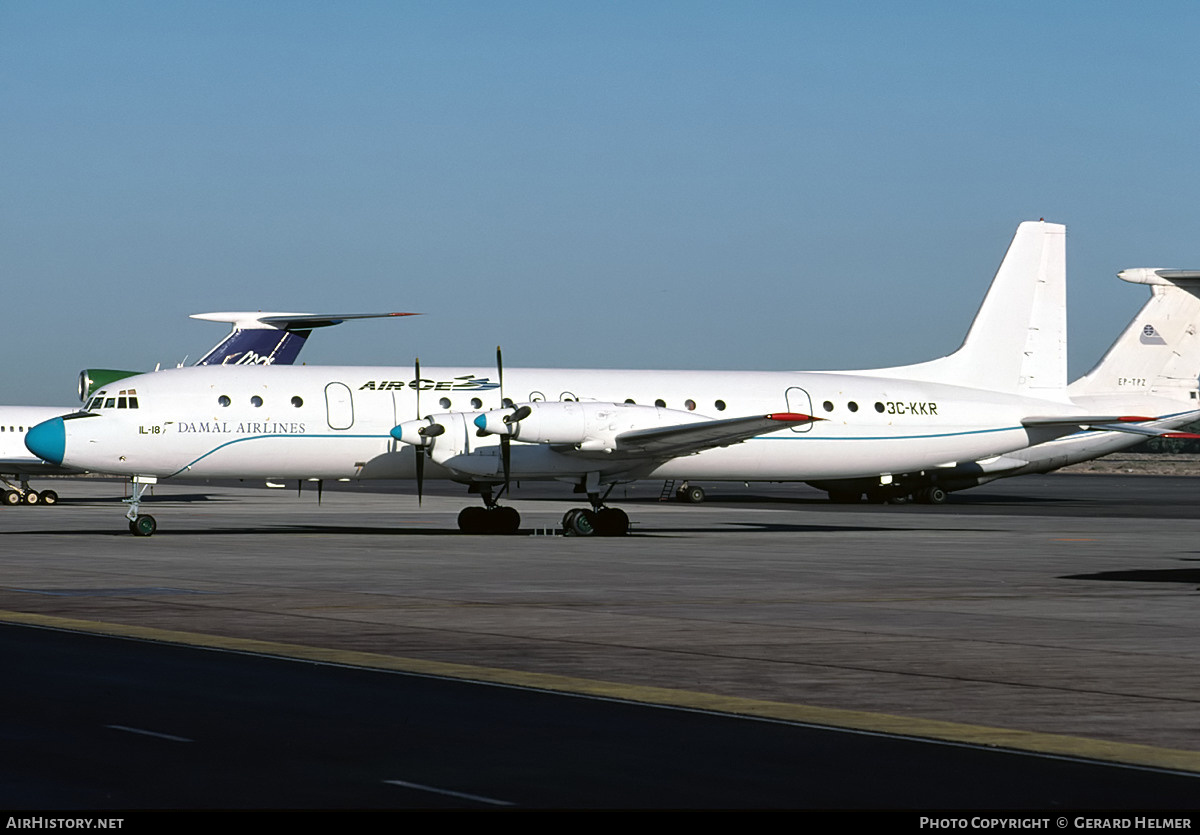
[(657, 532), (1190, 576)]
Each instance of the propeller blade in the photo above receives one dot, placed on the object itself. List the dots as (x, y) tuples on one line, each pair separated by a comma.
[(505, 441), (417, 383), (506, 457), (519, 415), (419, 450), (420, 473)]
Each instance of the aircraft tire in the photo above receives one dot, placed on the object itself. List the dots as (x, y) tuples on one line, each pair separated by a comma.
[(143, 526), (505, 520), (11, 498), (470, 519), (31, 497), (579, 522), (937, 495), (612, 521), (692, 495), (49, 497)]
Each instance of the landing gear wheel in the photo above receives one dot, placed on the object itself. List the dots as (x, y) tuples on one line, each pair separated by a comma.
[(11, 498), (931, 495), (692, 495), (579, 522), (31, 497), (501, 520), (143, 526), (49, 497), (470, 519), (505, 520), (612, 521)]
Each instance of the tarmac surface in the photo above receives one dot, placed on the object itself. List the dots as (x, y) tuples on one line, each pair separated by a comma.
[(1051, 613)]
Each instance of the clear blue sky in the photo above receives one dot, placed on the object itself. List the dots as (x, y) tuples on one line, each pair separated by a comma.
[(621, 184)]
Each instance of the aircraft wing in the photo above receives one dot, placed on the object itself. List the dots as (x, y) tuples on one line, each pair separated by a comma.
[(1108, 423), (33, 466), (688, 438)]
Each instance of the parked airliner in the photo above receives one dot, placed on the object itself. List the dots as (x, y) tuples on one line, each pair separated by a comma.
[(1000, 393), (255, 338)]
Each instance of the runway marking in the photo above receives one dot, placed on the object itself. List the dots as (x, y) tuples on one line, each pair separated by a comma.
[(144, 732), (449, 793), (856, 720)]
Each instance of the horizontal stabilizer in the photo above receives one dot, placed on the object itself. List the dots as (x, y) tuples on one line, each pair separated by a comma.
[(258, 320), (1108, 423), (271, 338)]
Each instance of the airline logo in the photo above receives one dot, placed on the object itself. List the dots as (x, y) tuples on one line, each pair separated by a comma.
[(1150, 336), (468, 382)]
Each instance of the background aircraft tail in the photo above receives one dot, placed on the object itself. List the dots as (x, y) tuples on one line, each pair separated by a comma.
[(1018, 341), (1158, 354)]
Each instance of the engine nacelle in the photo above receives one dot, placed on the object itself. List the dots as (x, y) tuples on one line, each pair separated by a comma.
[(93, 379), (419, 433), (590, 426)]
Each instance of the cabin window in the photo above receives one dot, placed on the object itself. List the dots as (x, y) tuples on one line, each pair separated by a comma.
[(879, 407), (629, 400), (660, 403), (827, 406), (476, 403), (224, 400), (444, 402), (297, 402), (256, 401), (852, 406), (690, 405), (720, 404)]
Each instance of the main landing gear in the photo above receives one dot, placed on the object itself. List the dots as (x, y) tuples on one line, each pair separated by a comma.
[(140, 524), (492, 518), (601, 521), (24, 494), (597, 520)]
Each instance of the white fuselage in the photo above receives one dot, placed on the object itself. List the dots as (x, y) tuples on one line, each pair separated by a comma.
[(15, 421), (334, 422)]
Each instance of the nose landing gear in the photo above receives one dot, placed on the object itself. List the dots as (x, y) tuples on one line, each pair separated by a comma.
[(140, 525)]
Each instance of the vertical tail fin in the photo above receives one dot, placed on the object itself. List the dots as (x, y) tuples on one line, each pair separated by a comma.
[(1018, 341), (1158, 354)]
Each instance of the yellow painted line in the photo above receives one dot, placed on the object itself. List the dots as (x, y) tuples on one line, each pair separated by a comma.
[(908, 726)]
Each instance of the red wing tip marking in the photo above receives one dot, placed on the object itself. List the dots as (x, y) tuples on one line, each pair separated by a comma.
[(1133, 419), (404, 314), (1189, 435), (792, 416)]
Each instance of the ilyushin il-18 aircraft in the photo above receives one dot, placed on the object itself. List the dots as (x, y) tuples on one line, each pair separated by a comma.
[(1002, 393), (255, 338)]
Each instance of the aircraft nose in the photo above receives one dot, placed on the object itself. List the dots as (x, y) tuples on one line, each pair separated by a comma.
[(48, 440)]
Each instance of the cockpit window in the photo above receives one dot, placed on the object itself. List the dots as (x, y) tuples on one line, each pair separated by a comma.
[(124, 399)]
